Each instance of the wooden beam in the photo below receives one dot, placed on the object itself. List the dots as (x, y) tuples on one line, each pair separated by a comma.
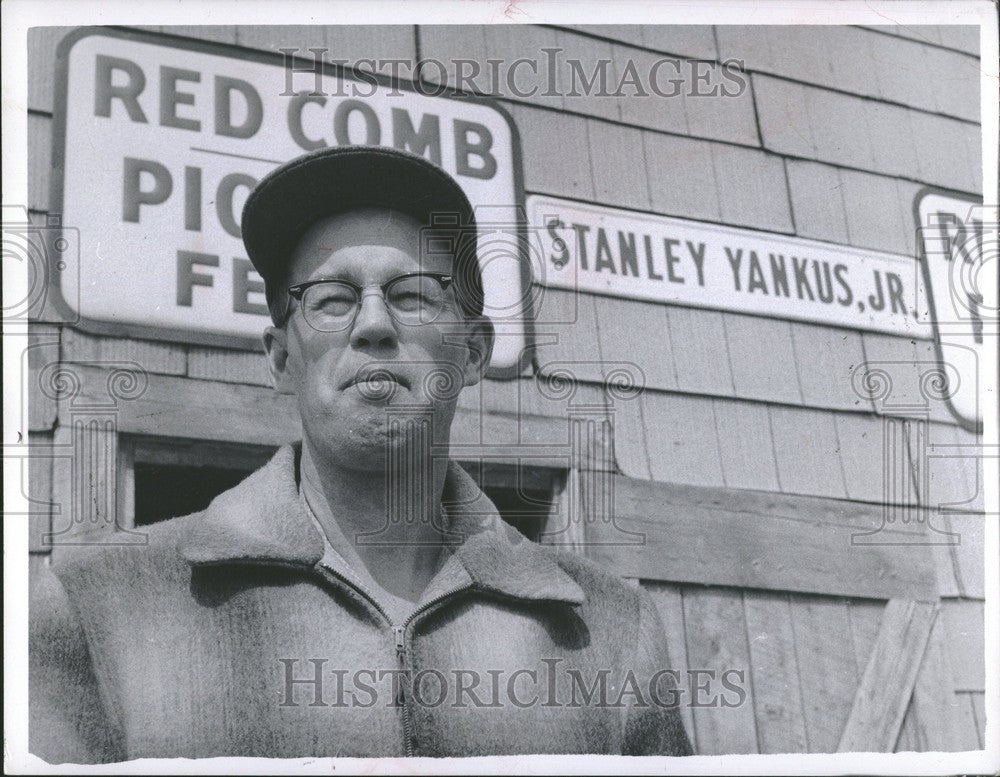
[(749, 539), (887, 684)]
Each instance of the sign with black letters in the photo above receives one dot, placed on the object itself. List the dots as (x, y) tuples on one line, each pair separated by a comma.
[(159, 142)]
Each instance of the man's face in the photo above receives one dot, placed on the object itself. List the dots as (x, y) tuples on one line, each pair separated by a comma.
[(419, 368)]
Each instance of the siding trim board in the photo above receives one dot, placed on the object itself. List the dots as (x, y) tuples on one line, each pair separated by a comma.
[(723, 536)]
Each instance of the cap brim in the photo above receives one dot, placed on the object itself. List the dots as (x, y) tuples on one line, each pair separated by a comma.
[(333, 180)]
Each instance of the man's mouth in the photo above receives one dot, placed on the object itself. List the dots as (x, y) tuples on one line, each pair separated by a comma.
[(376, 380)]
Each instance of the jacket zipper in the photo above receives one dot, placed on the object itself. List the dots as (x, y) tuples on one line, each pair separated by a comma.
[(399, 632)]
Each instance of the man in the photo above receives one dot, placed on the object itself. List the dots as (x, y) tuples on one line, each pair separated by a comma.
[(358, 595)]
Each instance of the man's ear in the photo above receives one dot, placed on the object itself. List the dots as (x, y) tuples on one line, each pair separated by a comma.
[(479, 348), (276, 351)]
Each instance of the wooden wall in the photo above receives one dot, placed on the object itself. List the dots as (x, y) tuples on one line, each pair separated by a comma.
[(748, 462)]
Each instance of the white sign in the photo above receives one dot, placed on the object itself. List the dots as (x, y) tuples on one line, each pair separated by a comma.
[(960, 282), (162, 144), (628, 254)]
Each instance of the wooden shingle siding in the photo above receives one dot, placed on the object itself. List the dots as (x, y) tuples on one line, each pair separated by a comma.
[(863, 457), (752, 188), (763, 358), (681, 177), (879, 215), (960, 37), (732, 119), (545, 136), (38, 395), (897, 70), (147, 355), (39, 161), (817, 197), (683, 40), (618, 165), (701, 355), (806, 450), (637, 335), (42, 44), (963, 38), (680, 440), (630, 450), (228, 366), (448, 43), (661, 114), (566, 335), (826, 359), (36, 485), (580, 76), (745, 445), (911, 371), (823, 136), (510, 42)]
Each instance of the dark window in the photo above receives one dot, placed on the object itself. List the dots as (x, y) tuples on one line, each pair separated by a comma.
[(527, 511), (166, 490)]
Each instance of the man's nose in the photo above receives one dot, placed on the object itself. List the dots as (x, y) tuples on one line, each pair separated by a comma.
[(374, 326)]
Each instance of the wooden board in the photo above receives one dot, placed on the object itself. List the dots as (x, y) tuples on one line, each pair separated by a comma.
[(178, 407), (717, 642), (777, 693), (827, 668), (669, 602), (754, 540), (887, 684)]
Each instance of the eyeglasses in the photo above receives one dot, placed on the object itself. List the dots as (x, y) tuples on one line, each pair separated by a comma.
[(333, 305)]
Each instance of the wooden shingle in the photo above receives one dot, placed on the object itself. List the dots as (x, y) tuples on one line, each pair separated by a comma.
[(547, 169), (829, 358), (863, 457), (680, 437), (700, 351), (636, 335), (727, 117), (817, 201), (580, 60), (763, 359), (566, 335), (448, 43), (509, 42), (745, 445), (681, 177), (629, 425), (663, 114), (39, 160), (806, 450), (752, 188), (149, 355), (249, 367), (619, 167)]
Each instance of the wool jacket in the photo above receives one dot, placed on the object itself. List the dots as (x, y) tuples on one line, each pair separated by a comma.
[(235, 632)]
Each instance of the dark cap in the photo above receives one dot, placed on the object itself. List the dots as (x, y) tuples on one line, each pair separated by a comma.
[(332, 180)]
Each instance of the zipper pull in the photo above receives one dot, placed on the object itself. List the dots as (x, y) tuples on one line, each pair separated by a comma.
[(400, 632)]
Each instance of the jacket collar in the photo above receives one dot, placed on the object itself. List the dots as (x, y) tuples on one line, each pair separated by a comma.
[(262, 521)]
